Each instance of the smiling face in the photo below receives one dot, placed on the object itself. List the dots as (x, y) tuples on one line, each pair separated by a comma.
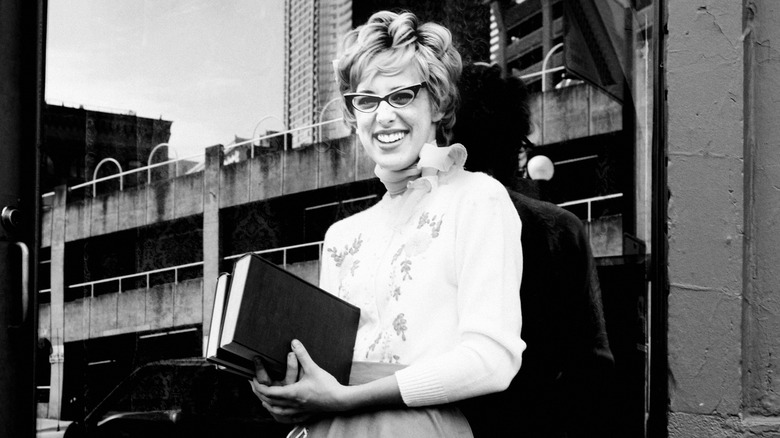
[(393, 137)]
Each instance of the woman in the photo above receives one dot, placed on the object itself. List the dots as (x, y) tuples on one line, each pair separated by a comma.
[(435, 266)]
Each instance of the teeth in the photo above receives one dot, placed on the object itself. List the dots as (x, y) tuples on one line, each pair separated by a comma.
[(389, 138)]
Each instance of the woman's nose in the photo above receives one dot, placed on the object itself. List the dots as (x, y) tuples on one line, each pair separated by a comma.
[(385, 114)]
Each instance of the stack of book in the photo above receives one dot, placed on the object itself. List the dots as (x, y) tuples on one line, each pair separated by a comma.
[(260, 308)]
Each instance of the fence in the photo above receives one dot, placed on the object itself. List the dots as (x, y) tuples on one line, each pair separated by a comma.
[(175, 162), (177, 271)]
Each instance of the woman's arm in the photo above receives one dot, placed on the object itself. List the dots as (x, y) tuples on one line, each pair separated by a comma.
[(488, 270), (317, 391)]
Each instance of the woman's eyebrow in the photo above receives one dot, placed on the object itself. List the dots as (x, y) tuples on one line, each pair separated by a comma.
[(394, 89)]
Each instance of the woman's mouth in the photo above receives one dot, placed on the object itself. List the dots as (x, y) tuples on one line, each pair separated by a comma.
[(390, 137)]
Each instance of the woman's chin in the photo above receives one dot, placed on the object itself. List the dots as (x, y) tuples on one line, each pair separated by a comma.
[(396, 165)]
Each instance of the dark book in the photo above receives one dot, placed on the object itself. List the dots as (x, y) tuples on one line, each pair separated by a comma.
[(266, 307)]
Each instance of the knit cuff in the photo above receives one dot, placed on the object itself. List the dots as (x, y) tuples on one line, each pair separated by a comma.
[(420, 386)]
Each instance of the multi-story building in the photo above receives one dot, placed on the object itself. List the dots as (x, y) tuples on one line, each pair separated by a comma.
[(313, 31), (78, 140)]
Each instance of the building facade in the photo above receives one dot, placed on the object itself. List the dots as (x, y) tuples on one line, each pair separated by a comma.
[(313, 31), (77, 140)]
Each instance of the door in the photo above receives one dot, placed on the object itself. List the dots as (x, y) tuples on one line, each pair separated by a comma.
[(20, 95)]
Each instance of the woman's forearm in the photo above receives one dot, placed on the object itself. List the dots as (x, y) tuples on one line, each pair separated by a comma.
[(381, 392)]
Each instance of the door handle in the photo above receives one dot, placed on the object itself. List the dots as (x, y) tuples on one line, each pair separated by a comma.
[(25, 252)]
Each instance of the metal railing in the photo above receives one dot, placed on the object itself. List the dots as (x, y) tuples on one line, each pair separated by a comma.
[(589, 202), (277, 134), (176, 161), (543, 72), (284, 252), (176, 269), (127, 172)]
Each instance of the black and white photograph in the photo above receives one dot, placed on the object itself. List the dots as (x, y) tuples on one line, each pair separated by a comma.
[(389, 218)]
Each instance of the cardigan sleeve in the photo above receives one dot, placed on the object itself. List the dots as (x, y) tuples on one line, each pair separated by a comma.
[(328, 275), (488, 265)]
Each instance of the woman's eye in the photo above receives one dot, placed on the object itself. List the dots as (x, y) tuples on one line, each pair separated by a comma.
[(364, 101), (402, 97)]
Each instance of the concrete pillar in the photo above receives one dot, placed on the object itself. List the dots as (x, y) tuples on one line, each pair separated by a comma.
[(212, 251), (761, 337), (705, 215), (57, 306)]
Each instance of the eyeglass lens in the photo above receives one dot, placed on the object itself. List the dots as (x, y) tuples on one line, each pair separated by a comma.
[(398, 99)]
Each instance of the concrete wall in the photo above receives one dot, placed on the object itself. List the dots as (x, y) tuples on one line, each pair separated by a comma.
[(724, 241), (140, 310), (573, 112), (268, 175), (160, 307)]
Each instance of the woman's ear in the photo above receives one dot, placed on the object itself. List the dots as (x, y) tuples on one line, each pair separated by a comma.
[(437, 115)]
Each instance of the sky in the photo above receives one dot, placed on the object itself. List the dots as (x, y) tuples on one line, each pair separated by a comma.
[(213, 68)]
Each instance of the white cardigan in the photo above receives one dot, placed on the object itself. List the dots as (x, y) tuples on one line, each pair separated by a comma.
[(437, 278)]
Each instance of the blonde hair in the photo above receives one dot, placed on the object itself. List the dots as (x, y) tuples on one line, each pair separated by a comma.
[(387, 44)]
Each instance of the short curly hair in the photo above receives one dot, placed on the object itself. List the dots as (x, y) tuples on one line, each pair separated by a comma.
[(387, 44)]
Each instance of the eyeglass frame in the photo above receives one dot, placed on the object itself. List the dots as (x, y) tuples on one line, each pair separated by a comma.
[(348, 97)]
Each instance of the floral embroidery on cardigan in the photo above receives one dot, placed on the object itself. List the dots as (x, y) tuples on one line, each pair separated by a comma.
[(397, 253), (340, 256), (399, 324), (406, 267), (373, 344), (347, 261), (428, 228), (432, 222), (386, 355)]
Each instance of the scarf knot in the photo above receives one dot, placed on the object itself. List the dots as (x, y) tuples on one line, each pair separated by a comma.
[(424, 173)]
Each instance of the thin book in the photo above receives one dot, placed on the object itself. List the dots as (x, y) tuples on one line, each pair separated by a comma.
[(261, 308)]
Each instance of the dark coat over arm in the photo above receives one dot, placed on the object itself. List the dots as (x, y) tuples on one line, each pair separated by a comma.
[(564, 385)]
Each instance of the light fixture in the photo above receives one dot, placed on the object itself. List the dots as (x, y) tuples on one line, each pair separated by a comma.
[(540, 168)]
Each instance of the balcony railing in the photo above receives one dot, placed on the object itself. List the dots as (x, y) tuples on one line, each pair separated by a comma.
[(284, 252), (175, 162), (589, 203), (176, 271)]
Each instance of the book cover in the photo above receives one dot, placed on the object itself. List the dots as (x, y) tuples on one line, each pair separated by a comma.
[(214, 354), (267, 307)]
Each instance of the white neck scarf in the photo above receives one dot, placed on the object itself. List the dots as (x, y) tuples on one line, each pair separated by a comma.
[(419, 178), (432, 160)]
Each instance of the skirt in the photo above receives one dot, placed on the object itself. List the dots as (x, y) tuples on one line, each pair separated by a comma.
[(445, 421)]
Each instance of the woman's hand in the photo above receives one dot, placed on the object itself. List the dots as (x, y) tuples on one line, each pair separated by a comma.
[(297, 398), (262, 378)]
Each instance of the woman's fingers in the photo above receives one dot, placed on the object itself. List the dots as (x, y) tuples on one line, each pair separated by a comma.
[(286, 401), (291, 376), (276, 395), (307, 364), (281, 410), (260, 374), (283, 403), (288, 419)]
